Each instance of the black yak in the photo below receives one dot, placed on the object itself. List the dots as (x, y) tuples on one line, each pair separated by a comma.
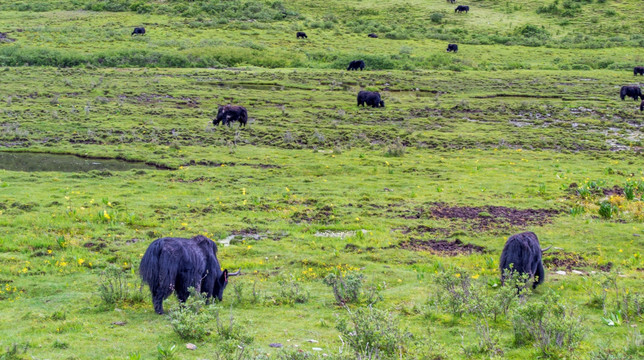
[(370, 98), (372, 35), (452, 47), (522, 254), (462, 8), (631, 91), (301, 35), (138, 31), (638, 70), (356, 64), (176, 264), (231, 113)]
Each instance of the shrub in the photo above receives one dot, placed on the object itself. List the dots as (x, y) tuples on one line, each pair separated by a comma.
[(607, 210), (116, 287), (348, 288), (549, 324), (372, 333), (395, 149), (437, 17), (291, 292), (453, 293), (194, 319)]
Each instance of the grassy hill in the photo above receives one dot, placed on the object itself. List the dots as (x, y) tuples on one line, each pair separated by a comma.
[(410, 205)]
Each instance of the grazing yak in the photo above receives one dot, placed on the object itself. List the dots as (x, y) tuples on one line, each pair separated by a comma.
[(523, 252), (176, 264), (301, 35), (452, 47), (638, 70), (138, 31), (356, 64), (631, 91), (372, 35), (370, 98), (230, 113), (462, 8)]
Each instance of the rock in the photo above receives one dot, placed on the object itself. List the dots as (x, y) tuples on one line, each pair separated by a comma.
[(190, 346), (275, 345), (577, 272), (312, 341), (316, 349), (119, 323), (560, 272)]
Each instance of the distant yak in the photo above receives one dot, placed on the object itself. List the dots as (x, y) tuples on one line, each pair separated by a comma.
[(452, 47), (176, 264), (230, 113), (370, 98), (372, 35), (301, 35), (522, 253), (638, 70), (138, 31), (462, 8), (451, 1), (356, 64), (631, 91)]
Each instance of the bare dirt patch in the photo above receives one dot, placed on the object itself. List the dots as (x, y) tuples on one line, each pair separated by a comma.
[(323, 215), (421, 230), (564, 260), (442, 247), (489, 217)]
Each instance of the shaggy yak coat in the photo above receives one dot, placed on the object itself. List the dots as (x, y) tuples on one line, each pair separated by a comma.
[(176, 264)]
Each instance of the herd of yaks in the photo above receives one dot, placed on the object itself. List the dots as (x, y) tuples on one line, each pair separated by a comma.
[(177, 264)]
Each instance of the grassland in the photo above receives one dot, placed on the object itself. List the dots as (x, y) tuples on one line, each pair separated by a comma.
[(501, 137)]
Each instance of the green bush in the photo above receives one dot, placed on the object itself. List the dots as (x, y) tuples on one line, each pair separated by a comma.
[(549, 324), (373, 333), (194, 319), (116, 287), (348, 288), (437, 17)]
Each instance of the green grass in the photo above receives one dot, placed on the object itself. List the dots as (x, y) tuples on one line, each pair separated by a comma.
[(498, 124)]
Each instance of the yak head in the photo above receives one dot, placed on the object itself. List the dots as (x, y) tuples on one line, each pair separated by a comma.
[(220, 116), (222, 282)]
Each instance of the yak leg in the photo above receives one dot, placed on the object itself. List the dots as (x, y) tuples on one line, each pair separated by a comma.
[(538, 275), (159, 295)]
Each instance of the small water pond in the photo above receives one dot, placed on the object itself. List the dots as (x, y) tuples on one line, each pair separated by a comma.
[(31, 162)]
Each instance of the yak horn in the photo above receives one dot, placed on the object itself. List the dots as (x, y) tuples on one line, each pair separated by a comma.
[(546, 249), (236, 273)]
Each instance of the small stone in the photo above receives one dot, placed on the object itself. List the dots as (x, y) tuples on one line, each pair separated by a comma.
[(577, 272), (313, 341), (316, 349), (637, 235), (119, 323), (560, 272), (190, 346), (275, 345)]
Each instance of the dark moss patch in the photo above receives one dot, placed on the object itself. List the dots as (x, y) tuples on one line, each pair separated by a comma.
[(441, 247)]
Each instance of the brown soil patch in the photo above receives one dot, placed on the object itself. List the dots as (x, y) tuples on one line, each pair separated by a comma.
[(559, 260), (320, 215), (488, 217), (615, 190), (421, 230), (442, 247), (563, 260)]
